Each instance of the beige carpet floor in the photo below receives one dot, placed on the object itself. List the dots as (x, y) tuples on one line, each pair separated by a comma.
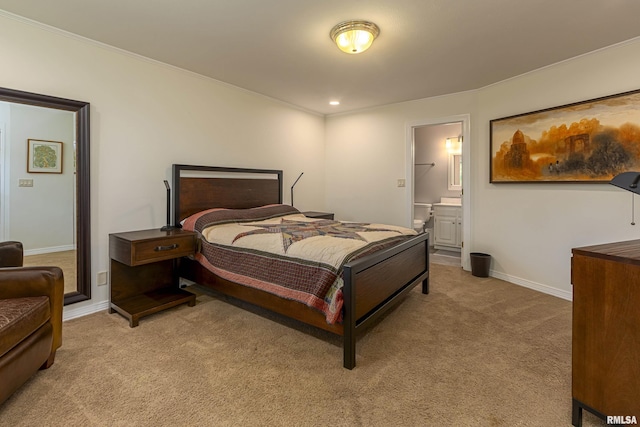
[(474, 352)]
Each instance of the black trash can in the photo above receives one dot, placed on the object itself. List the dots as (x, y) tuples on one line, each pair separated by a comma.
[(480, 264)]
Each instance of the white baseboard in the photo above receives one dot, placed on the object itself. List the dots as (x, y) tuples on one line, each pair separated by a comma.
[(49, 250), (73, 312), (545, 289)]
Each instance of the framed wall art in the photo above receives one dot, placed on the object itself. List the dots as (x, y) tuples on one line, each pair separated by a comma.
[(44, 156), (589, 141)]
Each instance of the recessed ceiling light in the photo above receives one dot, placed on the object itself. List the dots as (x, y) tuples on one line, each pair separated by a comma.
[(334, 102)]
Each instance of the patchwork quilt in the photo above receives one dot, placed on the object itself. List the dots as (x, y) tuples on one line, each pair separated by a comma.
[(277, 249)]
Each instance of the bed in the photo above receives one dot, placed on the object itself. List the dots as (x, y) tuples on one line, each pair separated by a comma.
[(371, 282)]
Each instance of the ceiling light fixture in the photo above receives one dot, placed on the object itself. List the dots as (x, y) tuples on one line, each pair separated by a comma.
[(354, 36), (334, 102)]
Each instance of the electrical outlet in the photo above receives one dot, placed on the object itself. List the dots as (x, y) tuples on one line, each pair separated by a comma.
[(401, 183), (102, 278), (25, 183)]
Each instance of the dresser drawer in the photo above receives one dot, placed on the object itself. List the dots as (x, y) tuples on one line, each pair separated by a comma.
[(136, 248)]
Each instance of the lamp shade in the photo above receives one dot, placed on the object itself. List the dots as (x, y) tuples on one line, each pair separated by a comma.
[(354, 36), (629, 181)]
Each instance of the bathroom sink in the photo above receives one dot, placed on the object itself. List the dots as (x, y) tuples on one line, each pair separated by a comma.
[(453, 201)]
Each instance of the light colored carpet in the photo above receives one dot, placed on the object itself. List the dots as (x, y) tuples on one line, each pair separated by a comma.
[(474, 352)]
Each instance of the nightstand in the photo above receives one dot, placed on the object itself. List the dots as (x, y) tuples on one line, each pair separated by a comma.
[(320, 215), (143, 271)]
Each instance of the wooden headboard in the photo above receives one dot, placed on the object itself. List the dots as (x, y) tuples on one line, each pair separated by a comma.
[(197, 188)]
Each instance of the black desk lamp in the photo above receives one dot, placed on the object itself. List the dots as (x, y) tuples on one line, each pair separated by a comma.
[(628, 181)]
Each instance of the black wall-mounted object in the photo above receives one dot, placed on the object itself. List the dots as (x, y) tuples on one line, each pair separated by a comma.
[(628, 181), (168, 227), (294, 184)]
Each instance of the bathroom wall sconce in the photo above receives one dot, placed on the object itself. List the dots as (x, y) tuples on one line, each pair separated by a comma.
[(454, 145), (354, 36)]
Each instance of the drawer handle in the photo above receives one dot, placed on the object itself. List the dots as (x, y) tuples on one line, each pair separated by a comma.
[(166, 248)]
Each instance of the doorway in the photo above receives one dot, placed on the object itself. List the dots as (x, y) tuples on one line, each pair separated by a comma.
[(438, 185)]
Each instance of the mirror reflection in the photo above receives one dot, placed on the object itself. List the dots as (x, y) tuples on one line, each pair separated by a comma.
[(455, 172), (44, 184), (39, 161)]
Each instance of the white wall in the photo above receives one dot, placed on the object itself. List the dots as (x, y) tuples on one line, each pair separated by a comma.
[(145, 116), (366, 154), (529, 229)]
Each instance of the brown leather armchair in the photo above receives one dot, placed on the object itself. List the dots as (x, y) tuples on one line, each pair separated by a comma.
[(31, 301)]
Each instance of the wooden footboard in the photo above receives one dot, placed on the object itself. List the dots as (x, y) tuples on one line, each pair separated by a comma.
[(373, 284)]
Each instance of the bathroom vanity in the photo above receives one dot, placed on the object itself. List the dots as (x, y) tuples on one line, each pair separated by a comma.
[(447, 229)]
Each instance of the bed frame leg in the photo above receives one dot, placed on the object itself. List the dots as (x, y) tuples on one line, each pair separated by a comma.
[(425, 282), (425, 286), (349, 321), (349, 351)]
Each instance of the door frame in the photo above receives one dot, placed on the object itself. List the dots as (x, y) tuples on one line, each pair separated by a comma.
[(4, 187), (465, 119)]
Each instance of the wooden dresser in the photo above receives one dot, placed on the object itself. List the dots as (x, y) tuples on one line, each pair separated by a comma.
[(606, 331)]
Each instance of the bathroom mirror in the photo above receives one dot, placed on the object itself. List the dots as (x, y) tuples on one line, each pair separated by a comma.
[(37, 131), (455, 172)]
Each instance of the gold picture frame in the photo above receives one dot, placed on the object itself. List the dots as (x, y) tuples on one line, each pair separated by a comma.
[(44, 156), (589, 141)]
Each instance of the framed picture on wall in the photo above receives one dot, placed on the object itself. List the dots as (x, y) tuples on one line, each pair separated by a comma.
[(589, 141), (44, 156)]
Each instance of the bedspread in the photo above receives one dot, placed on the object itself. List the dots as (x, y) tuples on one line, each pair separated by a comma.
[(277, 249)]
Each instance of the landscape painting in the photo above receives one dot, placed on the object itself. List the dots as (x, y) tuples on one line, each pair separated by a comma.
[(590, 141)]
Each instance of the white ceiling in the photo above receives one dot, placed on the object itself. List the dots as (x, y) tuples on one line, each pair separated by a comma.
[(282, 49)]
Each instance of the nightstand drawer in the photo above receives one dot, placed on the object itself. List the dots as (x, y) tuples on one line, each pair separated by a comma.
[(158, 250), (147, 246)]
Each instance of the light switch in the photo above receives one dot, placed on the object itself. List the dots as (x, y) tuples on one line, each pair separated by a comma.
[(25, 183)]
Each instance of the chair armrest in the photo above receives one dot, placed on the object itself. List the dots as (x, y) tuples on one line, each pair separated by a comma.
[(11, 254), (23, 282)]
